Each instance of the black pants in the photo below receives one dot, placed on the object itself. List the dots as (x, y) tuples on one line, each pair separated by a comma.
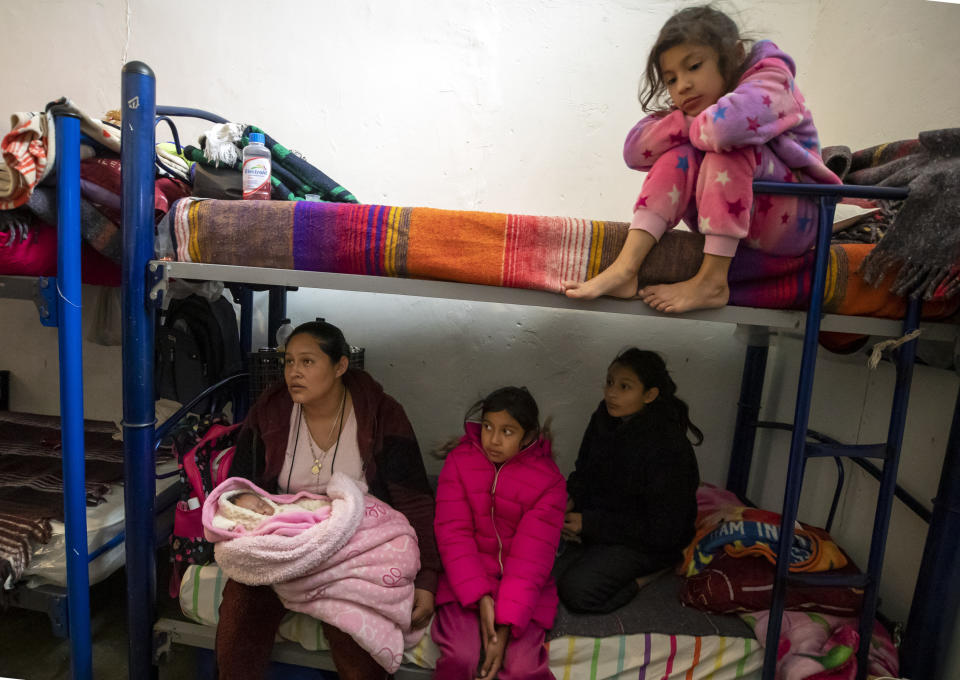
[(598, 578)]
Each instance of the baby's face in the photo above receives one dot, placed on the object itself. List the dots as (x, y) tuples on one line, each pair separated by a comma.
[(252, 501)]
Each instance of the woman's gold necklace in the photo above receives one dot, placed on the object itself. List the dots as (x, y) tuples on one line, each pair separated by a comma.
[(317, 462)]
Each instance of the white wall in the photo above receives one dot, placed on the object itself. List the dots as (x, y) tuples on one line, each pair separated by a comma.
[(512, 106)]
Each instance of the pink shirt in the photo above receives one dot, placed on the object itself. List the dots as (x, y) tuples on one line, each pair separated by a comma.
[(297, 472)]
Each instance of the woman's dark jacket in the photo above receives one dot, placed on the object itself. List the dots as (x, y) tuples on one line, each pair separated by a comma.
[(636, 482), (391, 456)]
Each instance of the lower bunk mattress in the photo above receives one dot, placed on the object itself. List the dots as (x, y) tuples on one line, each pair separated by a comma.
[(32, 540), (572, 656), (105, 533), (517, 251)]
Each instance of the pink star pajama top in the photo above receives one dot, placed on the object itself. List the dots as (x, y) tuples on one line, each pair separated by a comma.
[(701, 169)]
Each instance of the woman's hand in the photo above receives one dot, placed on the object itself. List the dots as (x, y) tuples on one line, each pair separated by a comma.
[(493, 653), (422, 608), (572, 526)]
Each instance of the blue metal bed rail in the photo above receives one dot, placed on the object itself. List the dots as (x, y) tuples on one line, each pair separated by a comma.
[(69, 338), (800, 450), (138, 94)]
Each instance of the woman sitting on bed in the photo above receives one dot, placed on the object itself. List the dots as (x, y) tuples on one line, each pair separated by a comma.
[(324, 418), (633, 495)]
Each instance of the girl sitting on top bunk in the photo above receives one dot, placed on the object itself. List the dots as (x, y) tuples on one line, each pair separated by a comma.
[(733, 117), (633, 494)]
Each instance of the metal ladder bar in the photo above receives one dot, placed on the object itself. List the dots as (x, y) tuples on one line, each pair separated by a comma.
[(798, 440), (888, 481), (800, 450)]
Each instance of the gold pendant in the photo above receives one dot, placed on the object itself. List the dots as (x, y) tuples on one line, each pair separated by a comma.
[(316, 467)]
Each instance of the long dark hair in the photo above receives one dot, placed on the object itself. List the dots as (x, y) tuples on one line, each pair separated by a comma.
[(518, 402), (650, 368), (329, 337), (701, 25)]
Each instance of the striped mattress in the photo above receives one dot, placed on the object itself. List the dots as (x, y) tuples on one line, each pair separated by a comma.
[(644, 656)]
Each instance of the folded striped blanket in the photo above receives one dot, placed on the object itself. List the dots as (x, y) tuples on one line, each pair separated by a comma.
[(496, 249), (24, 160), (31, 481)]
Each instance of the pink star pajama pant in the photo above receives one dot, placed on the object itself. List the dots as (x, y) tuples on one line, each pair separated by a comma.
[(713, 194)]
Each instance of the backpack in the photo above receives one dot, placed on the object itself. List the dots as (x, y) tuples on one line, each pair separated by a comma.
[(197, 345), (203, 460)]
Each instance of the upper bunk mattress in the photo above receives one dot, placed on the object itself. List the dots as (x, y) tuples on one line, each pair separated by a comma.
[(496, 249)]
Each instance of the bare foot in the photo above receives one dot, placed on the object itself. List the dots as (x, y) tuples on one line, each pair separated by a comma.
[(686, 296), (608, 282)]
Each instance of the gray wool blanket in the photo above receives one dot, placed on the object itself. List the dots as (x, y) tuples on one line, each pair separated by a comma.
[(922, 233)]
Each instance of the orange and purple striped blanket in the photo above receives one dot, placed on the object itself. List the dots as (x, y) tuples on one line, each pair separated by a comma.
[(496, 249)]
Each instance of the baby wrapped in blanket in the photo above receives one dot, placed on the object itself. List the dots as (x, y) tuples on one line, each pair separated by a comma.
[(345, 558), (248, 509)]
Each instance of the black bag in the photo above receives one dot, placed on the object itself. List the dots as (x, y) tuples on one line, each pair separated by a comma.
[(198, 344)]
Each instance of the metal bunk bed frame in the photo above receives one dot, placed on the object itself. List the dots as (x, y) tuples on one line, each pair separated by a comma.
[(936, 595), (58, 301)]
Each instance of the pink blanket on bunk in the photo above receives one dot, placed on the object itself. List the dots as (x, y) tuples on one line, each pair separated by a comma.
[(36, 255), (351, 565), (824, 647), (496, 249)]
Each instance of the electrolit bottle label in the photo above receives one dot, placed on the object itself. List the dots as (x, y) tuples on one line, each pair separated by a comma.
[(256, 176)]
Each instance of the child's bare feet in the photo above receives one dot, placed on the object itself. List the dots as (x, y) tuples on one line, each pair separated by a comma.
[(708, 289), (620, 278), (610, 281), (685, 296)]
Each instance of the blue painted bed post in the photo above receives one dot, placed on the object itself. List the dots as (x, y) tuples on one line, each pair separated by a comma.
[(748, 410), (932, 623), (801, 419), (138, 94), (70, 339), (898, 418)]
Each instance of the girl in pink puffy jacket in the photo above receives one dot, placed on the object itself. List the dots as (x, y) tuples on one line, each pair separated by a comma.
[(499, 514)]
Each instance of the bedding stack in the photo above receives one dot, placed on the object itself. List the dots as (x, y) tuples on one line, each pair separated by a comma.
[(28, 195), (729, 568)]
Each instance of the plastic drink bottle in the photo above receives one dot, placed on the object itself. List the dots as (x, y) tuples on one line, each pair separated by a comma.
[(256, 169)]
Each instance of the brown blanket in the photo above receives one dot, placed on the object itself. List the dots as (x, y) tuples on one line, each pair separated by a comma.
[(31, 481)]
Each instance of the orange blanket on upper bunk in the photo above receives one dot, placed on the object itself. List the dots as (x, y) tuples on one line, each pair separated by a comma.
[(518, 251)]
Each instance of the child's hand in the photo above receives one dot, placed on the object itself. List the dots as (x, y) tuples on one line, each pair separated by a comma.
[(572, 526), (493, 653), (488, 625), (569, 504)]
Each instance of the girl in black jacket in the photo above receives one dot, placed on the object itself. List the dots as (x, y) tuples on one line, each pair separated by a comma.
[(632, 497)]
